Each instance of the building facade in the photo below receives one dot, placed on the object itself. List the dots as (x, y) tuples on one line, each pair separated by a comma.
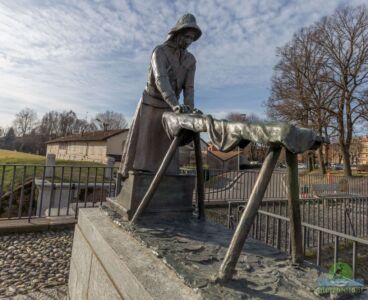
[(212, 158), (95, 146), (358, 152)]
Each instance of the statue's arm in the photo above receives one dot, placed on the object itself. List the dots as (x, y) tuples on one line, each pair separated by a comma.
[(162, 81), (189, 87)]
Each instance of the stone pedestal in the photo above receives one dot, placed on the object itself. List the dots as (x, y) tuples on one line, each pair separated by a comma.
[(173, 196), (108, 263), (175, 259)]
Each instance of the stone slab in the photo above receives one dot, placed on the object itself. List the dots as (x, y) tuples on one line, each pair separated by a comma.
[(80, 267), (176, 259), (101, 287), (195, 250), (132, 270)]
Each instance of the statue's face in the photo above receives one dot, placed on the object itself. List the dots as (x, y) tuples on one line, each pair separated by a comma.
[(186, 38)]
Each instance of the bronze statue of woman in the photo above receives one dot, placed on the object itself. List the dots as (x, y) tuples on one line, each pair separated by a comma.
[(170, 72)]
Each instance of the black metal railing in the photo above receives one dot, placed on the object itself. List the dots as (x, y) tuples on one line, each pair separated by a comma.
[(35, 191), (334, 212), (348, 215), (326, 248), (222, 186), (328, 234)]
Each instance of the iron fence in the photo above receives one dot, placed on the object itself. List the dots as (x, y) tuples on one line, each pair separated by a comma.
[(30, 191), (334, 210), (223, 186), (331, 227), (342, 246), (35, 191)]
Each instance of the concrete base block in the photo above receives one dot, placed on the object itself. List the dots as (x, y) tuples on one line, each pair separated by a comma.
[(108, 263), (174, 194)]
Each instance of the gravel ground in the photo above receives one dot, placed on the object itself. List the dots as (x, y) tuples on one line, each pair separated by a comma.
[(32, 262), (57, 293)]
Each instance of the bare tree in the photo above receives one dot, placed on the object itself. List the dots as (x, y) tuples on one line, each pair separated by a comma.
[(335, 153), (25, 121), (110, 120), (50, 125), (9, 139), (299, 92), (82, 125), (343, 39), (322, 76), (67, 120)]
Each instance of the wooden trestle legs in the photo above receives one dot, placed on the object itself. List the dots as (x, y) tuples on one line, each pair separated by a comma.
[(161, 172), (294, 208), (241, 232), (232, 255), (200, 182), (227, 267), (156, 180)]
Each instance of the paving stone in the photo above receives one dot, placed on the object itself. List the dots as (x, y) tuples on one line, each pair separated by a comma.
[(30, 261)]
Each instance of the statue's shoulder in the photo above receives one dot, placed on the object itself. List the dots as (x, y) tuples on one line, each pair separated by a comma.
[(163, 50), (189, 58), (159, 49)]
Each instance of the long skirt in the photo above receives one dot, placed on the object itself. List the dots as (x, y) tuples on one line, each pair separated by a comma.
[(147, 141)]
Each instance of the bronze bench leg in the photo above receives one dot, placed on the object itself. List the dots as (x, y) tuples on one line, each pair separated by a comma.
[(294, 208), (247, 219), (157, 179), (200, 183)]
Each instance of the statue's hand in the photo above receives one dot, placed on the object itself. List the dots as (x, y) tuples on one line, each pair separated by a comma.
[(178, 109), (197, 111), (187, 109)]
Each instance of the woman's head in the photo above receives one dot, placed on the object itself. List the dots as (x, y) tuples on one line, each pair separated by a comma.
[(185, 38), (185, 31)]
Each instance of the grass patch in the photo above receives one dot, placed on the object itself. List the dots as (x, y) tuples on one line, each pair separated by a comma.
[(30, 165), (13, 157), (8, 157)]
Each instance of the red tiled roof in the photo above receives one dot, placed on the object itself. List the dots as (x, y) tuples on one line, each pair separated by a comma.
[(88, 136), (224, 155)]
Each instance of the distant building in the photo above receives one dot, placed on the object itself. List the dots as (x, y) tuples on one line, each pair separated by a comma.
[(212, 158), (358, 152), (231, 160), (96, 146)]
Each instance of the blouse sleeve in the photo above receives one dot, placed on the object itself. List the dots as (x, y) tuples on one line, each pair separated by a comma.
[(189, 87), (162, 81)]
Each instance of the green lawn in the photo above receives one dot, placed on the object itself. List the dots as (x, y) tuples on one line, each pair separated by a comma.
[(13, 157), (30, 165)]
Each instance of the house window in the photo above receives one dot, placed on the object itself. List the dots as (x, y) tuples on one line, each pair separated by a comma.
[(63, 146)]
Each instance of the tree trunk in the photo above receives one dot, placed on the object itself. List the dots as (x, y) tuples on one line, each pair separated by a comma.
[(322, 166), (347, 165), (327, 149), (349, 136), (310, 161)]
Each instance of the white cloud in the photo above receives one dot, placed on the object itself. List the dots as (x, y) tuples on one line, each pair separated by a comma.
[(93, 55)]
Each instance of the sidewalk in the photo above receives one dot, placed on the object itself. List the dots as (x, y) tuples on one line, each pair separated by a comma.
[(22, 225)]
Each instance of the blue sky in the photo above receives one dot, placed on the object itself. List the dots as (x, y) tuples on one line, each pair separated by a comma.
[(92, 56)]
